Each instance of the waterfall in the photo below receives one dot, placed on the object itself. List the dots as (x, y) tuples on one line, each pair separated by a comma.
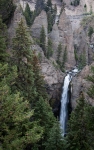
[(65, 100)]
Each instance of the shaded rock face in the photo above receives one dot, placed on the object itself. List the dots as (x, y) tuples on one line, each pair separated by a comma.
[(53, 78), (40, 21), (63, 34), (81, 44), (18, 15), (66, 38), (84, 43), (7, 9), (80, 84)]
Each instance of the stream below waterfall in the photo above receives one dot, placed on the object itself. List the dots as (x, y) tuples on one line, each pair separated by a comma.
[(65, 100)]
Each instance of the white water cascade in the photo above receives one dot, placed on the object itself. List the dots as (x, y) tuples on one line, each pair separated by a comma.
[(65, 100)]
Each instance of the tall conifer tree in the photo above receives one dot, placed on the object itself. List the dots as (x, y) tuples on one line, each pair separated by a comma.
[(16, 130), (43, 40), (23, 60), (81, 133), (3, 54)]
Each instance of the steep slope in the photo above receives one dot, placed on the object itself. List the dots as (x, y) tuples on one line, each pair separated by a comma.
[(81, 84), (63, 34)]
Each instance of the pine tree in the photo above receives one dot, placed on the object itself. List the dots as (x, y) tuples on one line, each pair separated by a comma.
[(43, 114), (55, 140), (6, 10), (38, 78), (64, 59), (82, 60), (16, 130), (23, 60), (49, 49), (79, 133), (59, 50), (3, 54), (28, 15), (43, 40), (91, 79), (50, 21)]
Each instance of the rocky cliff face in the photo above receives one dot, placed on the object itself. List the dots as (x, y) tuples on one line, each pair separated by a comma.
[(80, 84), (52, 75), (40, 21), (68, 32), (62, 33), (66, 38), (83, 42), (18, 15), (53, 78)]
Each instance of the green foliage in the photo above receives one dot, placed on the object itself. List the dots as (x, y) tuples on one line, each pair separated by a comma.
[(81, 127), (82, 61), (6, 10), (50, 21), (76, 55), (91, 10), (43, 113), (49, 49), (23, 60), (85, 6), (29, 15), (55, 65), (51, 14), (64, 56), (16, 129), (75, 2), (62, 62), (39, 83), (3, 54), (90, 31), (59, 50), (55, 140), (39, 57), (91, 79), (43, 40)]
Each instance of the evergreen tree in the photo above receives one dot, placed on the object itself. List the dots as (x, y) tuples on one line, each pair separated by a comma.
[(55, 139), (50, 21), (82, 60), (28, 15), (3, 54), (90, 32), (91, 79), (23, 60), (80, 133), (16, 130), (64, 59), (51, 14), (43, 40), (49, 49), (38, 78), (43, 113), (49, 3), (6, 10), (59, 50)]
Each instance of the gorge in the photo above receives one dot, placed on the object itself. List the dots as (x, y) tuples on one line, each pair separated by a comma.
[(72, 36), (46, 74)]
